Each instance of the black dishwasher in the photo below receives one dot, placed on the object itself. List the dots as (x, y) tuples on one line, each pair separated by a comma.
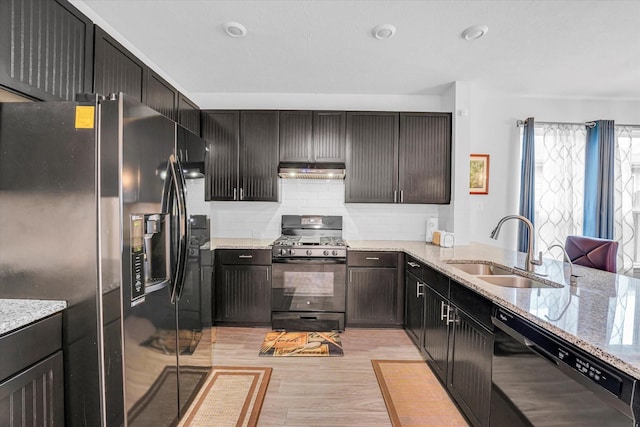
[(539, 380)]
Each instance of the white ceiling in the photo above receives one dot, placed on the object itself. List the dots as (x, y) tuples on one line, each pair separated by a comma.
[(576, 49)]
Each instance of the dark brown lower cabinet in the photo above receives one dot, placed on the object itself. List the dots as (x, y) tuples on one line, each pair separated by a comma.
[(31, 375), (243, 287), (469, 366), (455, 337), (374, 290)]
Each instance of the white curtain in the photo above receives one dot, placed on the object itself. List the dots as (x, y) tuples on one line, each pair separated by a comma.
[(623, 200), (559, 189)]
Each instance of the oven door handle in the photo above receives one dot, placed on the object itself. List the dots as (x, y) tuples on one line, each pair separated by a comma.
[(308, 261)]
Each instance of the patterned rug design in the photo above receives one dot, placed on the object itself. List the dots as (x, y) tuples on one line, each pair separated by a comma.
[(414, 396), (301, 344), (231, 396)]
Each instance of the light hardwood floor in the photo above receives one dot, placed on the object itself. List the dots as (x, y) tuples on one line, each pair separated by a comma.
[(319, 391)]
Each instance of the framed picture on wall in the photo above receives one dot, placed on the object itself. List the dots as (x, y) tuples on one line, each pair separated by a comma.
[(479, 174)]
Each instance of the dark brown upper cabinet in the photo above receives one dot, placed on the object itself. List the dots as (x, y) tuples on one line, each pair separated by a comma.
[(46, 49), (188, 114), (312, 136), (398, 158), (424, 158), (242, 156), (161, 96), (116, 69), (372, 157)]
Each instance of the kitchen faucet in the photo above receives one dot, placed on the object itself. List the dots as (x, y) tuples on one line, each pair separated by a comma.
[(573, 280), (530, 261)]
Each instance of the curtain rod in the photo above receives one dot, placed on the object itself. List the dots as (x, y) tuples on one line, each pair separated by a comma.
[(520, 123)]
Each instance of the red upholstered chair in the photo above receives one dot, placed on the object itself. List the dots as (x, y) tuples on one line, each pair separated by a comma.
[(592, 252)]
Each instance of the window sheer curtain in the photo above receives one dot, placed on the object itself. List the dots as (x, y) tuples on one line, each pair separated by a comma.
[(559, 192), (624, 224)]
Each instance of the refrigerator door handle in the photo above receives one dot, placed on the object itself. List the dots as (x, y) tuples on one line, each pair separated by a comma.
[(175, 185), (181, 192)]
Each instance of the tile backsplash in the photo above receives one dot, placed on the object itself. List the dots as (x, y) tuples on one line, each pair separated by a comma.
[(361, 221)]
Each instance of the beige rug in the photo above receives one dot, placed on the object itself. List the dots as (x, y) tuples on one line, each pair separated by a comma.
[(414, 396), (231, 396)]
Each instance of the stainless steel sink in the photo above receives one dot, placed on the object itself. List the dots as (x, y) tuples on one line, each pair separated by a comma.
[(479, 268), (499, 275), (514, 281)]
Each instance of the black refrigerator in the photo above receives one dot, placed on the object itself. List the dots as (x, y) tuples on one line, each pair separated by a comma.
[(93, 211)]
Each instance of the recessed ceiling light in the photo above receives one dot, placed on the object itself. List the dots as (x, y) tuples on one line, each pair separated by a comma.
[(383, 31), (234, 29), (475, 32)]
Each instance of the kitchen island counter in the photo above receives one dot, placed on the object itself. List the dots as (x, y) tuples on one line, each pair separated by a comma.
[(16, 313), (598, 315)]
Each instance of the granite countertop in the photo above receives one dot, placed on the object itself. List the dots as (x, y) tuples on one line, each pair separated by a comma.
[(16, 313), (598, 315)]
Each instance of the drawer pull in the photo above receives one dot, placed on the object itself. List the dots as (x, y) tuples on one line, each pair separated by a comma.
[(372, 258), (413, 264), (245, 256)]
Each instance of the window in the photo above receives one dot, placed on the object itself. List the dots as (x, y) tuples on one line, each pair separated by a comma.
[(559, 188)]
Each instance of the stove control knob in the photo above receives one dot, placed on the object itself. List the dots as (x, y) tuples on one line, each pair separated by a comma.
[(309, 252), (291, 252), (325, 253), (334, 253), (282, 252)]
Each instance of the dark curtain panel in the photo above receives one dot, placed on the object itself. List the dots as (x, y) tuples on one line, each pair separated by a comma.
[(527, 183), (599, 180)]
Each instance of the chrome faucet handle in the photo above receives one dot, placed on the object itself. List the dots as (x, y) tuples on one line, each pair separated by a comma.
[(537, 261)]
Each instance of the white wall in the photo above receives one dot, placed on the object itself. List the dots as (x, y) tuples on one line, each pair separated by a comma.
[(493, 118), (361, 221)]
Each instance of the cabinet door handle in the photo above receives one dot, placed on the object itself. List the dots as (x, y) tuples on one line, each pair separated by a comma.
[(235, 193), (350, 274), (419, 293), (444, 314), (241, 193), (245, 256), (372, 258), (395, 196), (451, 316), (401, 196), (413, 264), (267, 274)]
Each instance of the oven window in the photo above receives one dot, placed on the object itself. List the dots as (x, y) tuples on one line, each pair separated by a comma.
[(308, 284)]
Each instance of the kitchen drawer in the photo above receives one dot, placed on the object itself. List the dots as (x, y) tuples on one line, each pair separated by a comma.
[(30, 344), (414, 267), (372, 259), (243, 256), (436, 280), (473, 303)]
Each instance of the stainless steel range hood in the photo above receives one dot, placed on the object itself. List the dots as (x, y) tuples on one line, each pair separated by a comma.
[(291, 170)]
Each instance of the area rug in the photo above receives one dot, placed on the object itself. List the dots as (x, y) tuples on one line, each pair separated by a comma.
[(231, 396), (302, 344), (159, 401), (414, 396)]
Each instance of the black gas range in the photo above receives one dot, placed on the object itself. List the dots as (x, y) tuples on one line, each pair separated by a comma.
[(309, 274), (310, 237)]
